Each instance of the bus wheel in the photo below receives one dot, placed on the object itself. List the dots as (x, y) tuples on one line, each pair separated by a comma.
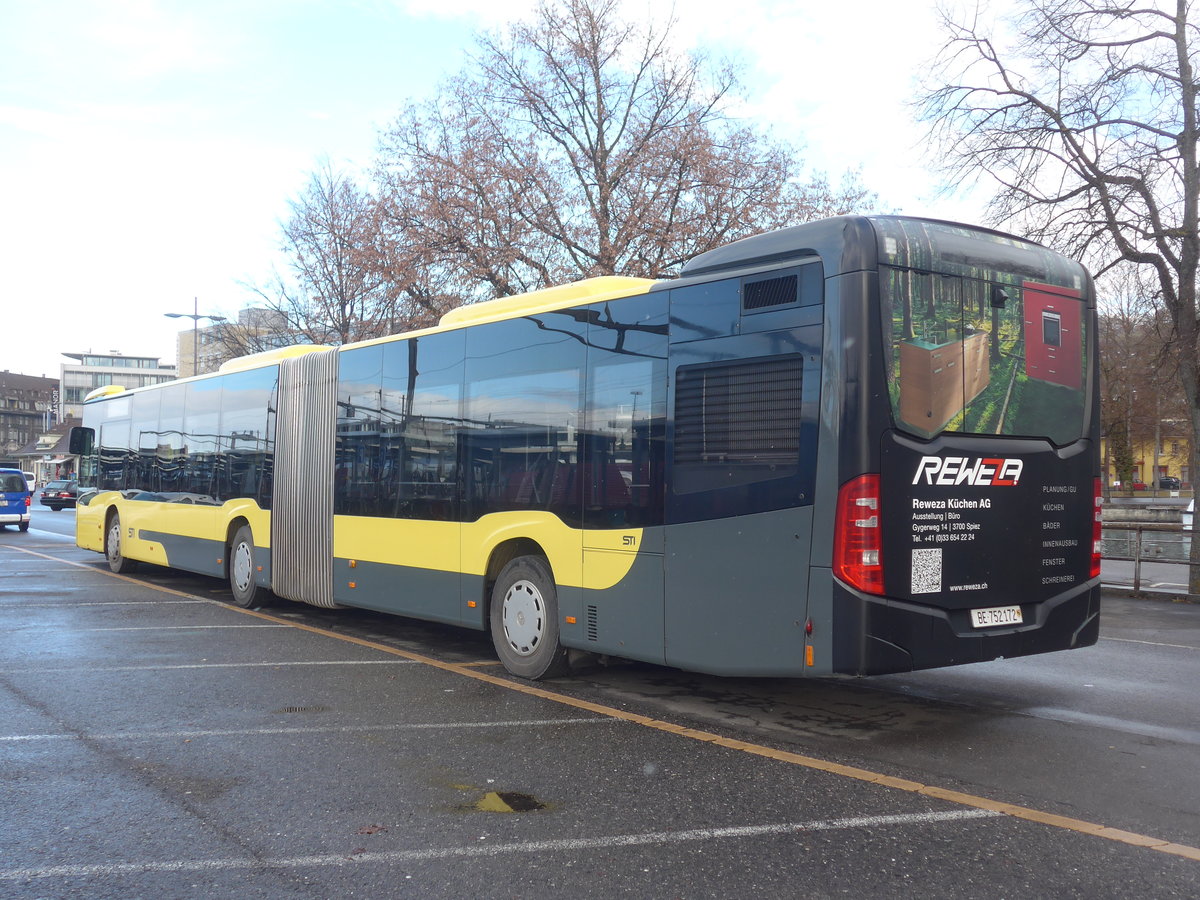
[(524, 619), (117, 561), (241, 571)]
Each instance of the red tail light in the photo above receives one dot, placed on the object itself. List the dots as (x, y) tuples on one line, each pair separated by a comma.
[(857, 543), (29, 499), (1097, 527)]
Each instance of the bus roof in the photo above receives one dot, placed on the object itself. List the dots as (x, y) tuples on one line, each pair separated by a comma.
[(589, 290), (254, 360)]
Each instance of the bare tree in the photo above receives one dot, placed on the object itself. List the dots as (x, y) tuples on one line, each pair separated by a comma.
[(1128, 383), (582, 145), (342, 283), (1087, 125)]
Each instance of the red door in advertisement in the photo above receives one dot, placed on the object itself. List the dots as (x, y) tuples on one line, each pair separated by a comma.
[(1053, 337)]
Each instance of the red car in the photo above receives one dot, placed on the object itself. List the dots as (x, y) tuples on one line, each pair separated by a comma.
[(60, 494)]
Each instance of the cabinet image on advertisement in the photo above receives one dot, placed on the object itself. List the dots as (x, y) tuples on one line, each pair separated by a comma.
[(938, 380), (1052, 345)]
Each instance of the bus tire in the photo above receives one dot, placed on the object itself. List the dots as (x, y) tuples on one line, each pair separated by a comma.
[(117, 561), (246, 592), (524, 620)]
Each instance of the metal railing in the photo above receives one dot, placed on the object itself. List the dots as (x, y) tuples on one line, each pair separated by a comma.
[(1147, 542)]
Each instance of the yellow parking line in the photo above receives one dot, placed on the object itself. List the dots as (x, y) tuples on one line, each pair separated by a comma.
[(471, 670)]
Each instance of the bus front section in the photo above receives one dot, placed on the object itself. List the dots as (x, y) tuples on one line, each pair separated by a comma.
[(967, 519)]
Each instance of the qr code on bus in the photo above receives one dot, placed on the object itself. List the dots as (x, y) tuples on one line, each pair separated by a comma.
[(927, 571)]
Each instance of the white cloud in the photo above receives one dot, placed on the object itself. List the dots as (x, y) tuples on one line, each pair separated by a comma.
[(36, 121), (149, 149), (479, 13)]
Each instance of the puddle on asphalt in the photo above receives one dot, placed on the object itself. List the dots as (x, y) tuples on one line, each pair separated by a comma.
[(505, 802)]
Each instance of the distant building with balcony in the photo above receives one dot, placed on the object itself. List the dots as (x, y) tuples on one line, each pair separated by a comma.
[(49, 457), (27, 408), (93, 370)]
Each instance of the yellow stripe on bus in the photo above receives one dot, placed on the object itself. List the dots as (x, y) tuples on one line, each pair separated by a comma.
[(423, 544)]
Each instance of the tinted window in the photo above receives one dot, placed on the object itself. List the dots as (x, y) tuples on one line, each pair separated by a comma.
[(744, 424), (144, 439), (13, 483), (421, 417), (247, 434), (702, 311), (171, 458), (201, 434), (523, 414), (623, 452), (204, 442), (357, 481), (114, 444), (983, 334)]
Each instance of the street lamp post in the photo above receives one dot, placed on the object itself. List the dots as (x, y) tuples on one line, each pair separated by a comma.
[(195, 316)]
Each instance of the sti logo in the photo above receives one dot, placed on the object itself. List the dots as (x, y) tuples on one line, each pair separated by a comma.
[(982, 472)]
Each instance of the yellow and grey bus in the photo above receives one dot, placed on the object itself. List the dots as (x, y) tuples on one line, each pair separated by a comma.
[(860, 445)]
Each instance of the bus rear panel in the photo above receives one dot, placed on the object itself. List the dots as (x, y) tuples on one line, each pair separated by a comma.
[(983, 435)]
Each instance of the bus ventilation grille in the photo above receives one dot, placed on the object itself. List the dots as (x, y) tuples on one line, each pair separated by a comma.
[(745, 412), (592, 624), (770, 292)]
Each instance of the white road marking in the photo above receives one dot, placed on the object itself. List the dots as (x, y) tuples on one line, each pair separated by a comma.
[(60, 670), (82, 603), (1112, 723), (312, 729), (483, 851), (1150, 643), (146, 627)]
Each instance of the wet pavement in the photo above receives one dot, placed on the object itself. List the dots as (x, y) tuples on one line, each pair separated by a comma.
[(159, 742)]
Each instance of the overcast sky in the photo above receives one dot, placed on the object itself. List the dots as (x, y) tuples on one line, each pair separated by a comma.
[(149, 147)]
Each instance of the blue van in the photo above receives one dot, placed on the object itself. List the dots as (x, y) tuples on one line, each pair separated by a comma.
[(16, 497)]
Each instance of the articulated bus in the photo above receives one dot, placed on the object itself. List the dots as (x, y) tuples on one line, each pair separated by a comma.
[(861, 445)]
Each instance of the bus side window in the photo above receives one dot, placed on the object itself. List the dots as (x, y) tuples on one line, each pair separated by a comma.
[(523, 414), (420, 421), (623, 449)]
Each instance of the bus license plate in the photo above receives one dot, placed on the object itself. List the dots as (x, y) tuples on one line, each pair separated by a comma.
[(996, 615)]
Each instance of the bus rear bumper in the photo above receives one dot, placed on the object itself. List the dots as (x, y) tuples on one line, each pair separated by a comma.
[(898, 636)]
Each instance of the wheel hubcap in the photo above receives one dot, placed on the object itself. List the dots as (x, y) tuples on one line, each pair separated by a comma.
[(241, 567), (524, 617), (114, 541)]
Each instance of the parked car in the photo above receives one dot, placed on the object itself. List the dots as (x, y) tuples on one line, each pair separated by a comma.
[(1169, 483), (30, 480), (60, 494), (1188, 513), (16, 497)]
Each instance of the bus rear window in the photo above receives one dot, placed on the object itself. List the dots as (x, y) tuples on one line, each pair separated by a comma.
[(976, 347)]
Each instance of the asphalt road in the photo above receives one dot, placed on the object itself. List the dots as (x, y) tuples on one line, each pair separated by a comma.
[(157, 742)]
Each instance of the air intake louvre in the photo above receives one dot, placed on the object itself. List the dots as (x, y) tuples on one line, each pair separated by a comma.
[(770, 292), (745, 412), (593, 624)]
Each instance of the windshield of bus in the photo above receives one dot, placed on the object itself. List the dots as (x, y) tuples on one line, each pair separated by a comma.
[(983, 334)]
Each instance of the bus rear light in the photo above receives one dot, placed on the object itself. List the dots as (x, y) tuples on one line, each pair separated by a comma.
[(1097, 527), (857, 539)]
